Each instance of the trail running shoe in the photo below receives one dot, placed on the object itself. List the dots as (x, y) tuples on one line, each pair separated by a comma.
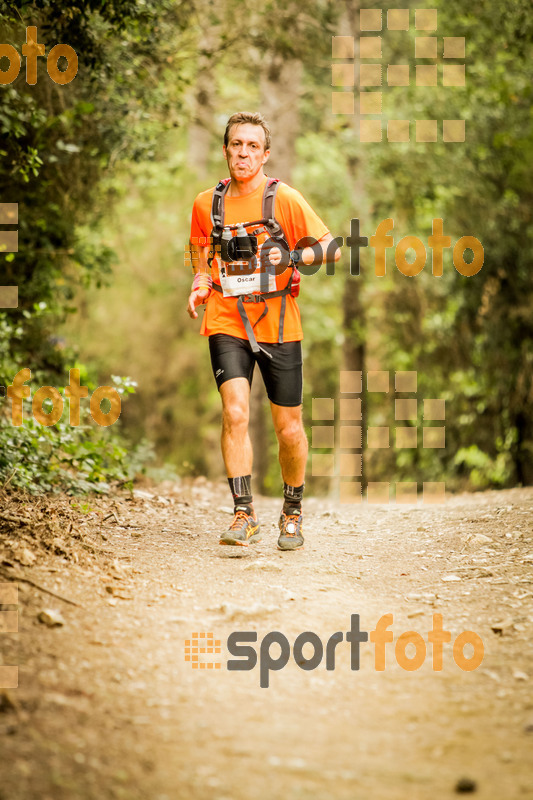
[(290, 530), (244, 529)]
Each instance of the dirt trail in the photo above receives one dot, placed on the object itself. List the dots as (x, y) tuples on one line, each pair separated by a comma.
[(107, 706)]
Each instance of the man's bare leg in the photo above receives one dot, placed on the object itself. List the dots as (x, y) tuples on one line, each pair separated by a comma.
[(238, 457), (235, 442), (293, 449), (292, 441)]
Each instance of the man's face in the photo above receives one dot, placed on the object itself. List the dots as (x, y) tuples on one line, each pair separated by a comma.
[(245, 152)]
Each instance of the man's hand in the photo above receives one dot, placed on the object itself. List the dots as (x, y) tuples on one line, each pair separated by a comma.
[(271, 256), (196, 298)]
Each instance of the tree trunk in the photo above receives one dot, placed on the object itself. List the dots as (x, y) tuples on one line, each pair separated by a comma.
[(354, 327), (259, 431), (201, 129), (280, 89)]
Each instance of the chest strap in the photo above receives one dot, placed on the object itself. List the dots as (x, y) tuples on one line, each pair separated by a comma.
[(275, 231)]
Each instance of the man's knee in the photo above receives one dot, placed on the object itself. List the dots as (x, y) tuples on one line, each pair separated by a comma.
[(290, 430), (235, 415)]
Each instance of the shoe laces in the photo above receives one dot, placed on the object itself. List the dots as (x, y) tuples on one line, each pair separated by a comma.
[(291, 519), (240, 516)]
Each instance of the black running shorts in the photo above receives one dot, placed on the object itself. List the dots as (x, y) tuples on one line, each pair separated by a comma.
[(232, 357)]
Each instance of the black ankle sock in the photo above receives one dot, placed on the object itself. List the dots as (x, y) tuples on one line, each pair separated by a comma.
[(241, 489), (293, 497)]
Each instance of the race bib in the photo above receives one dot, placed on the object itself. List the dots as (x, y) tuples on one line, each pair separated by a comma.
[(237, 282)]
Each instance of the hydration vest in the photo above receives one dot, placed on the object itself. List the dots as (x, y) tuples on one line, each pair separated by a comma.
[(276, 235)]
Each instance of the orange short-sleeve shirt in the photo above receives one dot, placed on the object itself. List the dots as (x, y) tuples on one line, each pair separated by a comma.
[(297, 219)]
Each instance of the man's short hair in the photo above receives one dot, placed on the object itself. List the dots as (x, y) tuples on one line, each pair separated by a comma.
[(251, 117)]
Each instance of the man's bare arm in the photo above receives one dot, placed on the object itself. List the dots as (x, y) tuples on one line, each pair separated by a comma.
[(330, 252), (200, 267)]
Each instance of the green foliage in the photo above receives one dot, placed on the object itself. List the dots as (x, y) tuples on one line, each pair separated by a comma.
[(471, 339), (484, 471), (61, 457), (57, 145)]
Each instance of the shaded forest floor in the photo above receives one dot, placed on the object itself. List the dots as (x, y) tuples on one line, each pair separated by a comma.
[(107, 706)]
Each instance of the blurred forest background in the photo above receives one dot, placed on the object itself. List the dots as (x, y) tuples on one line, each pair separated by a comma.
[(105, 170)]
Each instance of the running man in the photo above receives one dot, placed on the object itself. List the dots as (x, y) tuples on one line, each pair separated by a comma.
[(250, 286)]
